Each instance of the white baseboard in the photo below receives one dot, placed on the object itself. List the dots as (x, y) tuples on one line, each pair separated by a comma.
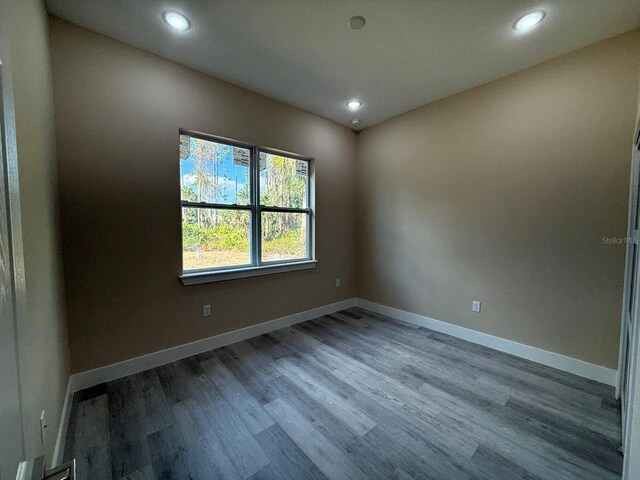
[(550, 359), (90, 378)]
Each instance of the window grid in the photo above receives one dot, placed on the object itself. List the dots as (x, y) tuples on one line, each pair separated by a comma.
[(255, 206)]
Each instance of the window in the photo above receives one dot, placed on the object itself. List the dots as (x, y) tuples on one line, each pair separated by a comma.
[(244, 209)]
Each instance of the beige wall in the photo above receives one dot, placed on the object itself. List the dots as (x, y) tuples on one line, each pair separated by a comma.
[(43, 340), (503, 194), (118, 111)]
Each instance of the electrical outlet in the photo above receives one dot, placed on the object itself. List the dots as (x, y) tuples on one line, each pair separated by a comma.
[(475, 306), (337, 282), (206, 310), (43, 427)]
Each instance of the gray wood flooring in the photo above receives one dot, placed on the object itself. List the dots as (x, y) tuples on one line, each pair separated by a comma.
[(353, 395)]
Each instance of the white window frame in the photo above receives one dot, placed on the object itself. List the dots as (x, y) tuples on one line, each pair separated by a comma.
[(256, 266)]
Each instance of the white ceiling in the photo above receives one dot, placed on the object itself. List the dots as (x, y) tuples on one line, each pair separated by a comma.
[(411, 52)]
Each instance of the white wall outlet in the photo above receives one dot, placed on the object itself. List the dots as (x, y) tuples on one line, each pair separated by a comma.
[(475, 306), (337, 282), (43, 427), (206, 310)]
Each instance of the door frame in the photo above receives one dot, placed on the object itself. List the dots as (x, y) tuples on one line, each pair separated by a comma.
[(12, 438), (633, 186), (632, 236), (631, 414), (13, 331)]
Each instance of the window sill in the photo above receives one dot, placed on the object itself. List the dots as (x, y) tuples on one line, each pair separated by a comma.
[(236, 273)]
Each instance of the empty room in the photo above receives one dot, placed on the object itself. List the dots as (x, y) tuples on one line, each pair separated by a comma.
[(304, 239)]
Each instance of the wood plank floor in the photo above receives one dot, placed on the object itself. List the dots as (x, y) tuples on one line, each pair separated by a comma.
[(353, 395)]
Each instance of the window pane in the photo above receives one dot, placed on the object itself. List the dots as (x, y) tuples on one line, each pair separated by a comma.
[(213, 172), (283, 181), (214, 237), (284, 236)]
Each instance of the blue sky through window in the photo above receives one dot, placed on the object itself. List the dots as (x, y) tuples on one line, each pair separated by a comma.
[(223, 175)]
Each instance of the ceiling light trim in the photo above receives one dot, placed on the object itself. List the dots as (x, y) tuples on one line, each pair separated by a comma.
[(176, 20), (529, 21)]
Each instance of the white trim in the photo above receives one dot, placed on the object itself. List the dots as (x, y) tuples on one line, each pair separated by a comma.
[(195, 278), (58, 451), (631, 417), (631, 212), (555, 360)]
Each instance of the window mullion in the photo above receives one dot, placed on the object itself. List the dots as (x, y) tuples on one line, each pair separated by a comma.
[(256, 228), (265, 208), (218, 206)]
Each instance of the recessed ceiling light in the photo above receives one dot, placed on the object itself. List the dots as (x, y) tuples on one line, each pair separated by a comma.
[(355, 121), (354, 104), (529, 21), (356, 22), (176, 20)]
